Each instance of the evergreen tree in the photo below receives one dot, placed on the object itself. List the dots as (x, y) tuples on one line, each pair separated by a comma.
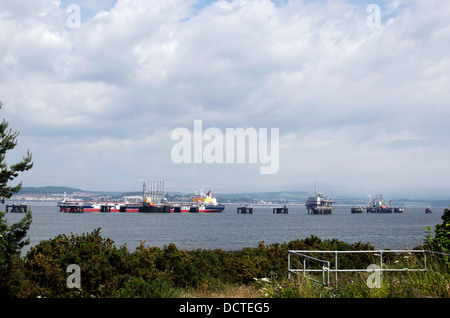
[(8, 140), (441, 241), (12, 238)]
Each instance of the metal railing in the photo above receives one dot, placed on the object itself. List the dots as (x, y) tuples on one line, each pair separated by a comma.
[(326, 268)]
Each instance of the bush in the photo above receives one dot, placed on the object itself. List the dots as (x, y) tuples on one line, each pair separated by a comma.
[(103, 266), (108, 271)]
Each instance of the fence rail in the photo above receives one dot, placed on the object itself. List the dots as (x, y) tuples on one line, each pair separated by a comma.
[(326, 268)]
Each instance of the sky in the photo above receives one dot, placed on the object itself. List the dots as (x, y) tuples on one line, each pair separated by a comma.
[(360, 106)]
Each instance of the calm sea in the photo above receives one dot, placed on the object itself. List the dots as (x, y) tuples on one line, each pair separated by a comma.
[(231, 231)]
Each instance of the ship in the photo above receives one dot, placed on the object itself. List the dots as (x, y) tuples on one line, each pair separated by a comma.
[(80, 206), (151, 201), (201, 203), (319, 204), (378, 205), (146, 206)]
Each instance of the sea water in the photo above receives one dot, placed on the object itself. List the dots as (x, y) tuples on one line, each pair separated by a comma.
[(231, 231)]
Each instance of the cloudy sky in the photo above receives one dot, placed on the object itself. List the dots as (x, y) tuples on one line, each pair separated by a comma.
[(359, 106)]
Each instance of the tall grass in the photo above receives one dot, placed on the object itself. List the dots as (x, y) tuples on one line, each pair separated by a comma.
[(435, 282)]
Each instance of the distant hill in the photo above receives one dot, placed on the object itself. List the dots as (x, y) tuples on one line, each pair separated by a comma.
[(48, 190)]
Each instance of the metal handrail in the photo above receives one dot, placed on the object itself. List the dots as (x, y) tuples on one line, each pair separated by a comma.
[(324, 268), (336, 270)]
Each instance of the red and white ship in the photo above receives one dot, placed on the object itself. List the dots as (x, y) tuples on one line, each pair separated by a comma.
[(201, 203), (152, 201), (79, 206)]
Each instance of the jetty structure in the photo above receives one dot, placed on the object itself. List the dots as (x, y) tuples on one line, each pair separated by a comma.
[(246, 209), (399, 210), (153, 198), (282, 210), (16, 208), (319, 203), (357, 209)]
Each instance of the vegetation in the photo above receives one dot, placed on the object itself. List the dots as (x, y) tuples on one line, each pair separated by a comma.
[(441, 240), (433, 283), (12, 238), (109, 271)]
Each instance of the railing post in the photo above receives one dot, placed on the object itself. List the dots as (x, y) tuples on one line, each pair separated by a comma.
[(328, 273), (336, 268), (289, 265), (381, 261), (304, 267), (323, 275), (425, 260)]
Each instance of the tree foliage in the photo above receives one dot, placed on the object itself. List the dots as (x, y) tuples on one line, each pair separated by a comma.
[(8, 141), (441, 240), (12, 238)]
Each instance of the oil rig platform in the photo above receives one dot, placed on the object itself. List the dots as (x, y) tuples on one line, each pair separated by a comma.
[(319, 204)]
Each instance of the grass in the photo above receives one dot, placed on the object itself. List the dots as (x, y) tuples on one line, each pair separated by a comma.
[(434, 283), (394, 285), (430, 284), (224, 291)]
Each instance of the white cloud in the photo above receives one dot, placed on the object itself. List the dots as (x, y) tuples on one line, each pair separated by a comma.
[(350, 101)]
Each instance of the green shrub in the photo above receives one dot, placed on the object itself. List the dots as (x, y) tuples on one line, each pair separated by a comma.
[(107, 271), (137, 287), (103, 266)]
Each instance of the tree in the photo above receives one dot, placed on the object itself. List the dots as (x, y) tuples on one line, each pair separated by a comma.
[(8, 141), (441, 240), (12, 238)]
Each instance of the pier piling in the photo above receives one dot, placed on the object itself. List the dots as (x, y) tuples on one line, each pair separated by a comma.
[(16, 208), (283, 210), (245, 210)]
